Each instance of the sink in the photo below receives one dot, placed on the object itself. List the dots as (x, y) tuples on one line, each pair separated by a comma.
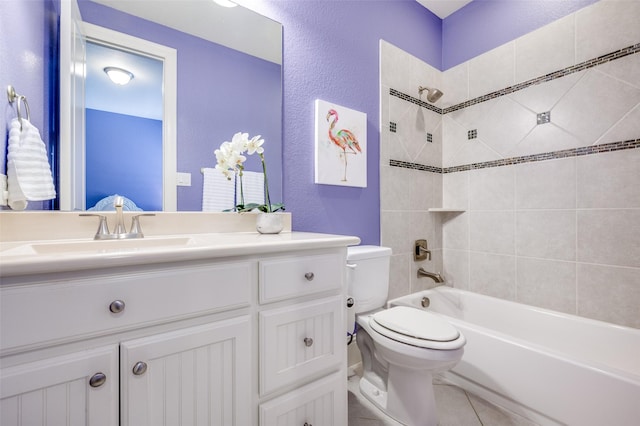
[(106, 246)]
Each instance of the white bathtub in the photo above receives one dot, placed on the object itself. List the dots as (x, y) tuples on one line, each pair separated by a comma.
[(550, 367)]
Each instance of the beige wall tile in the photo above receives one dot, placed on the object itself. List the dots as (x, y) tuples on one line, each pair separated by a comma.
[(610, 237), (609, 180), (606, 26), (493, 275), (547, 234), (546, 184), (545, 50), (609, 293), (547, 284), (492, 188), (492, 231)]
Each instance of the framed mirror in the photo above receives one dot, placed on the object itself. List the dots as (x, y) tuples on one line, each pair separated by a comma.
[(228, 80)]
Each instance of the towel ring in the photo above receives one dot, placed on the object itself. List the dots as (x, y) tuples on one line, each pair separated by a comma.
[(15, 97)]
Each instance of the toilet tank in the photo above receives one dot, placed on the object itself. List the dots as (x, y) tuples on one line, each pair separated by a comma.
[(368, 276)]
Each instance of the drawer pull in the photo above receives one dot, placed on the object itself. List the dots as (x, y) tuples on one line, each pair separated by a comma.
[(308, 341), (309, 276), (97, 380), (116, 306), (139, 368)]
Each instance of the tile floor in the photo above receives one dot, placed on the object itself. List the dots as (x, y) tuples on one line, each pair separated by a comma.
[(456, 407)]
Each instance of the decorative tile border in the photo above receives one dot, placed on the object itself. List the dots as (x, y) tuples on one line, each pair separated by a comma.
[(419, 102), (415, 166), (566, 153), (621, 53)]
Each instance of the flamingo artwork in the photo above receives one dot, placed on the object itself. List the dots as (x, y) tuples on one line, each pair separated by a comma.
[(344, 139)]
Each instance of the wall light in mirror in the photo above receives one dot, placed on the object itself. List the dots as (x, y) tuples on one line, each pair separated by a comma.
[(118, 75), (225, 3)]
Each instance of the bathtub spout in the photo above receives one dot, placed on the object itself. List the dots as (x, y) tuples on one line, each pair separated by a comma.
[(434, 276)]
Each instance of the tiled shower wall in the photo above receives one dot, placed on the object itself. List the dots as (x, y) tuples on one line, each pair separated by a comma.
[(551, 211)]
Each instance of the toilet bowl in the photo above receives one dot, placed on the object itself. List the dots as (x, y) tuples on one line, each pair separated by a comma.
[(401, 347)]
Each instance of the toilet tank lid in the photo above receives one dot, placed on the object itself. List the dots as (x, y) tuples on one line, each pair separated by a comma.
[(367, 252)]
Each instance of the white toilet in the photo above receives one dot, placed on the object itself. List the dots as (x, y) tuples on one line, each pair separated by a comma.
[(401, 347)]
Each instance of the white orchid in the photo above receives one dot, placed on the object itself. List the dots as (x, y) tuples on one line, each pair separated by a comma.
[(231, 162)]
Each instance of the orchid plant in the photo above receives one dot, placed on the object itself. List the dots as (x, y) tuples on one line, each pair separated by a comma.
[(231, 160)]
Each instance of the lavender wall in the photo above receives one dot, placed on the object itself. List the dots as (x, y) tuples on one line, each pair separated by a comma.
[(331, 53), (208, 113), (485, 24), (27, 62)]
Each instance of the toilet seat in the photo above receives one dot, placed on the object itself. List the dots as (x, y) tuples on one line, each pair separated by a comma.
[(417, 328)]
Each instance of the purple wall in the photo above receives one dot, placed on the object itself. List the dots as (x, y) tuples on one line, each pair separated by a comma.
[(224, 108), (331, 53), (27, 62), (485, 24), (136, 143)]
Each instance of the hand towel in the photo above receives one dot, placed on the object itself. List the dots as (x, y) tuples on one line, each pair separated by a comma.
[(217, 191), (253, 186), (28, 171)]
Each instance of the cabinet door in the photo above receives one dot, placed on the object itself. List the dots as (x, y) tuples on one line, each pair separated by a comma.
[(196, 376), (64, 390), (321, 403), (301, 341)]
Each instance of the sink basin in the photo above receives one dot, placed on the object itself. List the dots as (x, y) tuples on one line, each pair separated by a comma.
[(104, 246)]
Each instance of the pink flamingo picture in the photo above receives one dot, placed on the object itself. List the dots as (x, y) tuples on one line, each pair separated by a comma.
[(344, 139)]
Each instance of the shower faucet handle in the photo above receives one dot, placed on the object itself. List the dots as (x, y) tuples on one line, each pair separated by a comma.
[(421, 251)]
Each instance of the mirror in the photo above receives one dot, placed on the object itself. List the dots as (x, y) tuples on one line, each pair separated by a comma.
[(229, 79)]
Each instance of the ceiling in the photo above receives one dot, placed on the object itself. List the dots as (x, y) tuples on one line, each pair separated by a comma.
[(443, 8)]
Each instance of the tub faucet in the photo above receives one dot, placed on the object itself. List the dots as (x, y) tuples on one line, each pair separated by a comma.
[(434, 276)]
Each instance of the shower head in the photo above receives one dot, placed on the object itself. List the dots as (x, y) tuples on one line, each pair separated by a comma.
[(433, 94)]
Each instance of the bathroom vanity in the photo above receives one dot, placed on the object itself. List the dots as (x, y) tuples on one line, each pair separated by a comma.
[(205, 328)]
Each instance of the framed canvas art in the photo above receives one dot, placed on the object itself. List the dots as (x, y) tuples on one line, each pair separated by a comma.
[(341, 145)]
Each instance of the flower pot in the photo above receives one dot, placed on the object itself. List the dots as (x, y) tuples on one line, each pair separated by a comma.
[(269, 223)]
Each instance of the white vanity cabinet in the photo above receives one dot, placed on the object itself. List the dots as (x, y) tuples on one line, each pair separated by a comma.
[(303, 340), (152, 346), (254, 335)]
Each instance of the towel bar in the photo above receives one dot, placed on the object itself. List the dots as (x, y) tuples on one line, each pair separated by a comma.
[(15, 97)]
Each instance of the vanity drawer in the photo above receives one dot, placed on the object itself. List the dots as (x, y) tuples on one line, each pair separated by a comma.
[(319, 403), (64, 310), (300, 341), (299, 275)]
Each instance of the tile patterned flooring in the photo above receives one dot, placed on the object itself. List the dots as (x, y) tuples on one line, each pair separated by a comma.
[(456, 407)]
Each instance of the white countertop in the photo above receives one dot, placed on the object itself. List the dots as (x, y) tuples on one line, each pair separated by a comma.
[(47, 256)]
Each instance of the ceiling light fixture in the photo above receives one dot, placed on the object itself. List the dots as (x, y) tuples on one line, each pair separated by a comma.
[(225, 3), (118, 75)]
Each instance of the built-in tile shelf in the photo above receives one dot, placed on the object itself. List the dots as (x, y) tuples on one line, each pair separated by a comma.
[(445, 210)]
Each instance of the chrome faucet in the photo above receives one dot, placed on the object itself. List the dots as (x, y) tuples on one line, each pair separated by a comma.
[(120, 232), (434, 276), (118, 203)]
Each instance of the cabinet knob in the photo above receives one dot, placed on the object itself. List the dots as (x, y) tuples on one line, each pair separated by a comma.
[(116, 306), (97, 380), (308, 341), (307, 424), (139, 368), (309, 276)]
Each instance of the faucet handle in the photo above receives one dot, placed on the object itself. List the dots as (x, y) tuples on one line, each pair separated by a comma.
[(136, 229), (103, 228)]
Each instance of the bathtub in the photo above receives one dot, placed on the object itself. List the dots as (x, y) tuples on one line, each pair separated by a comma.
[(549, 367)]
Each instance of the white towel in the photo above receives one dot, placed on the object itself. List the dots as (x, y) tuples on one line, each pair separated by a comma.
[(28, 170), (253, 185), (217, 191)]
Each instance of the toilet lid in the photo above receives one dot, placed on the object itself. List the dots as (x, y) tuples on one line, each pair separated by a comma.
[(415, 327)]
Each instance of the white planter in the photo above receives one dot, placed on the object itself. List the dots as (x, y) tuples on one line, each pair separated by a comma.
[(269, 223)]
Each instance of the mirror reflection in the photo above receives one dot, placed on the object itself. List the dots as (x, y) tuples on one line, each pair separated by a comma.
[(228, 80)]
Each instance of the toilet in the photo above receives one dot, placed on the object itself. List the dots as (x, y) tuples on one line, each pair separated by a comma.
[(401, 347)]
